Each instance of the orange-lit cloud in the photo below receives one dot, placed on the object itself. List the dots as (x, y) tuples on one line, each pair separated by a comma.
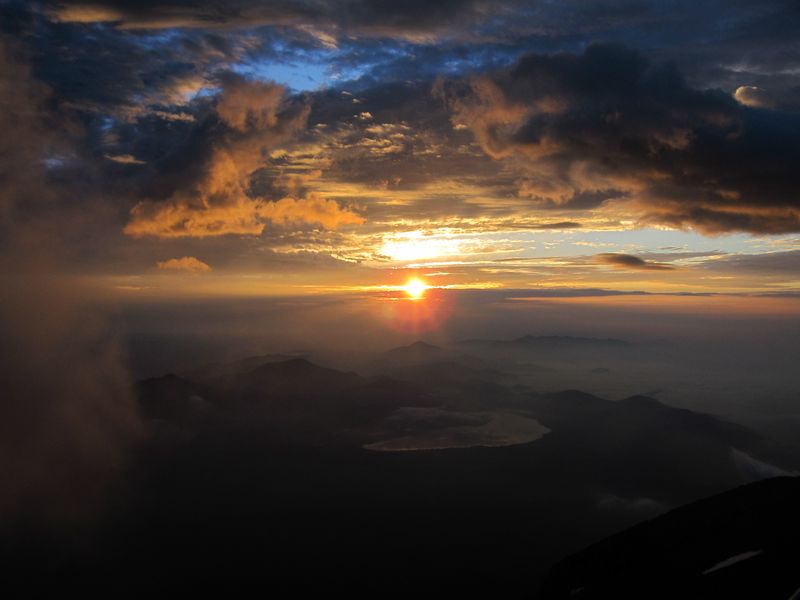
[(86, 13), (251, 105), (311, 209), (189, 264), (242, 216), (751, 95), (221, 202), (124, 159)]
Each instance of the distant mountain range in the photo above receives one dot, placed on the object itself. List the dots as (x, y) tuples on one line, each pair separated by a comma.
[(635, 448), (549, 342)]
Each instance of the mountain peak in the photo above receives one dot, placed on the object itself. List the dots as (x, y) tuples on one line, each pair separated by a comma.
[(420, 345), (418, 348), (568, 339), (293, 366)]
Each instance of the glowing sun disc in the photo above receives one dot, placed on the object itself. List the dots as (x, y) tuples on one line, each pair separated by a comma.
[(415, 288)]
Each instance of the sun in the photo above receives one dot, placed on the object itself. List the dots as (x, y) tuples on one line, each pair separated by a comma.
[(415, 288)]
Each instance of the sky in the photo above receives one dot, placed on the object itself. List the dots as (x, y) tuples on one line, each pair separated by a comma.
[(193, 149)]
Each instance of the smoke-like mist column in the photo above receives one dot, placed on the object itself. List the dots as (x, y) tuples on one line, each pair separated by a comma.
[(67, 414)]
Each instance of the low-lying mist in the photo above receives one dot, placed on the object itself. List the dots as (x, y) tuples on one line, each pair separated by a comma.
[(723, 354)]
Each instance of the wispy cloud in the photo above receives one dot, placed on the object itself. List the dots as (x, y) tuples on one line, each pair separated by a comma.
[(627, 261)]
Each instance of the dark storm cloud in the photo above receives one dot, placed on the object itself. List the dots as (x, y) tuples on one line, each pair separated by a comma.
[(609, 123), (754, 45), (628, 261), (144, 80), (717, 43), (100, 70)]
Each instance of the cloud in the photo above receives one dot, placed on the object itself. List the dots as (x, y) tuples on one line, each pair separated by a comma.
[(173, 116), (751, 95), (230, 159), (412, 20), (251, 105), (609, 126), (124, 159), (767, 263), (121, 76), (240, 216), (219, 196), (189, 264), (311, 209), (67, 417), (628, 261), (558, 225), (86, 13)]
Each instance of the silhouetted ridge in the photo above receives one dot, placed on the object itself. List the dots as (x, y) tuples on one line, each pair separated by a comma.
[(577, 397), (737, 544), (417, 352), (420, 345), (417, 348), (169, 384), (546, 342), (243, 365), (296, 373), (293, 366), (566, 340), (641, 400)]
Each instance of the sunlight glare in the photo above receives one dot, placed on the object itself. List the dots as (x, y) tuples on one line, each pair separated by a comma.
[(416, 245), (415, 288)]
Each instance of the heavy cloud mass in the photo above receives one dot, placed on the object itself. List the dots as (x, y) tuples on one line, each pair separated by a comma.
[(296, 133), (609, 125), (364, 17)]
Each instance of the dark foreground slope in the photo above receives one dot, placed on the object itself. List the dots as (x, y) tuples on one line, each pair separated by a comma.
[(738, 544)]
